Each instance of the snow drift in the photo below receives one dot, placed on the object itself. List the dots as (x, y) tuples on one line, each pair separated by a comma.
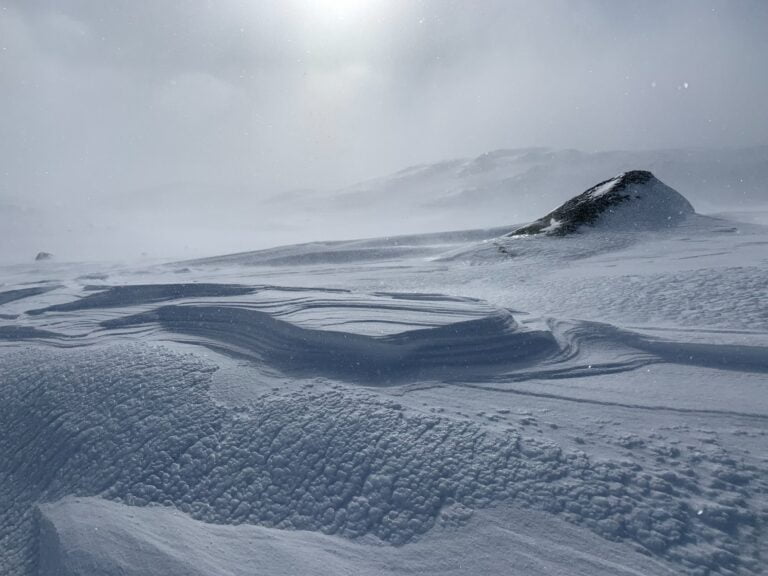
[(136, 425), (96, 537)]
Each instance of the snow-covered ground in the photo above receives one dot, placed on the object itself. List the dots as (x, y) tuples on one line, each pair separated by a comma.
[(456, 403)]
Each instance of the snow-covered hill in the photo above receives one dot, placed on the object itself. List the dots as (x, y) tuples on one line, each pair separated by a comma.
[(630, 202), (592, 403)]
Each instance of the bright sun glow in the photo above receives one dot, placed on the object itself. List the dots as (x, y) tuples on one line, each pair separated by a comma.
[(339, 14)]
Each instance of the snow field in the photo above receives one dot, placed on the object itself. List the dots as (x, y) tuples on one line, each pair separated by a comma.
[(135, 424), (732, 297), (96, 537)]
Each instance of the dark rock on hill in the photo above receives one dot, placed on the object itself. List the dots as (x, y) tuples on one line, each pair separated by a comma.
[(634, 200)]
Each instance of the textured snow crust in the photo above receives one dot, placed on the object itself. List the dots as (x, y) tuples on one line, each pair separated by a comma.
[(136, 424)]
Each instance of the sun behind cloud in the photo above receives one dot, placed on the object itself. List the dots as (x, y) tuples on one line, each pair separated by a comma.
[(341, 15)]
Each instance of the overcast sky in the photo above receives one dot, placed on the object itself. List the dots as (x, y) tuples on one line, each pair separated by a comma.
[(103, 102)]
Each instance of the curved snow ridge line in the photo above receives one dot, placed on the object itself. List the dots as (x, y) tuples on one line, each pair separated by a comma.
[(20, 293), (428, 296), (369, 315), (21, 333), (9, 335), (318, 310), (734, 357), (578, 400), (590, 348), (489, 347), (485, 345), (136, 424), (131, 295), (721, 356), (314, 307)]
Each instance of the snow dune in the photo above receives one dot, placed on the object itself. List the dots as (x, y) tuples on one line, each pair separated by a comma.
[(379, 338), (89, 537)]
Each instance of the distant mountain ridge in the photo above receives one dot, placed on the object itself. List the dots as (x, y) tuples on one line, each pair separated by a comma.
[(501, 188), (516, 185)]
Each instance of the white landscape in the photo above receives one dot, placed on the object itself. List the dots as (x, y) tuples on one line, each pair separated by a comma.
[(590, 402), (383, 288)]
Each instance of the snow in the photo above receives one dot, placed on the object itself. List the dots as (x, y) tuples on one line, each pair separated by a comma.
[(94, 536), (137, 426), (450, 403), (553, 226), (606, 187)]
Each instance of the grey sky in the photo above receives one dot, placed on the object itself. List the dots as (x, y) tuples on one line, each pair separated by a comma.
[(116, 102)]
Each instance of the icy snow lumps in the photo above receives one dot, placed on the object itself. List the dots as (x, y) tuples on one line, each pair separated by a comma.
[(136, 424), (634, 200)]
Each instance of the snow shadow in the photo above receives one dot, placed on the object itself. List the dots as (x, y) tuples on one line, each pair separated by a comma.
[(489, 346), (119, 296), (13, 295), (485, 345)]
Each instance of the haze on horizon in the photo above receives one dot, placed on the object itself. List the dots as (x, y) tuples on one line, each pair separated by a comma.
[(171, 124)]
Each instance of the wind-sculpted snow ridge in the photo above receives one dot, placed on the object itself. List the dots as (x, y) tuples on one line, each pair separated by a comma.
[(136, 424), (491, 346), (633, 200), (131, 295), (20, 293), (384, 338), (21, 333), (329, 309), (486, 345)]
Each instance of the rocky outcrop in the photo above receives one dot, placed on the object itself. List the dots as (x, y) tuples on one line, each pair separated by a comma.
[(634, 200)]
